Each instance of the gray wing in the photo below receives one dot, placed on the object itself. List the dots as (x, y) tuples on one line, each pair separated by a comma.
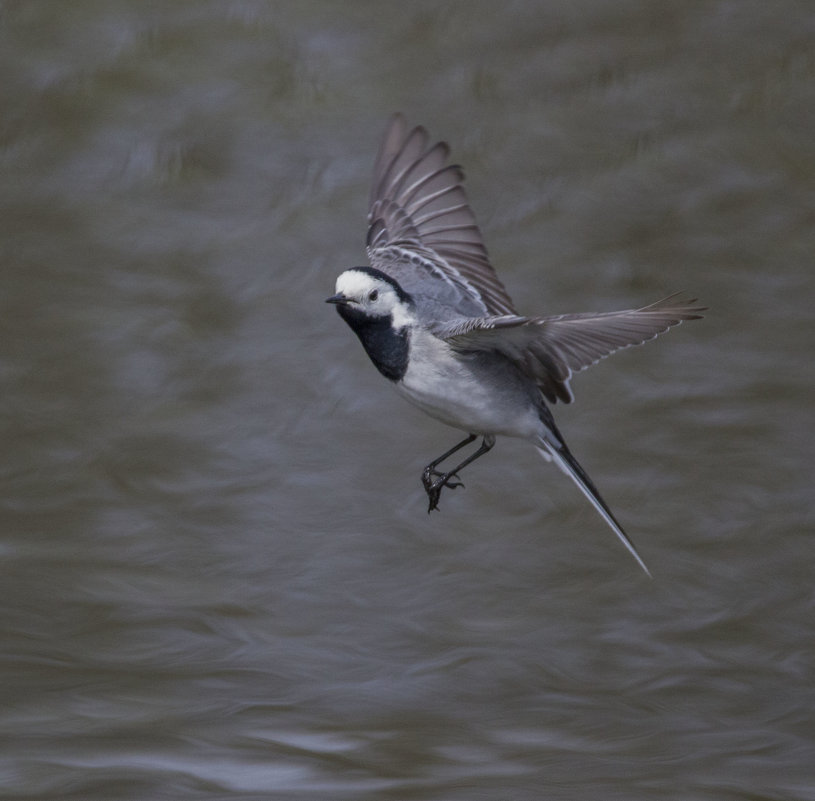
[(422, 232), (550, 349)]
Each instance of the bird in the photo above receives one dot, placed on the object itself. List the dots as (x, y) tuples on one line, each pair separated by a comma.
[(438, 324)]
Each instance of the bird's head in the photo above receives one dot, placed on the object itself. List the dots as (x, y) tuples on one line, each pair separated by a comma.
[(368, 293)]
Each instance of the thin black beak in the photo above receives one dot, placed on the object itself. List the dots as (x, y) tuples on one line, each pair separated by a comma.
[(338, 299)]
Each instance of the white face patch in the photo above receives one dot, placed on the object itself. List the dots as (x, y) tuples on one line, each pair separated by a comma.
[(374, 296), (356, 285)]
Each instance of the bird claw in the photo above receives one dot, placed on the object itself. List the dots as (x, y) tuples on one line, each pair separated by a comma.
[(433, 482)]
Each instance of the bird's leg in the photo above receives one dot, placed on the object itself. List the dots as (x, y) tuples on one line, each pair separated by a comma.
[(430, 473), (434, 480), (431, 468)]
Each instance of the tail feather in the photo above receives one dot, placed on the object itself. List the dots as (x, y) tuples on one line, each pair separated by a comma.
[(571, 467)]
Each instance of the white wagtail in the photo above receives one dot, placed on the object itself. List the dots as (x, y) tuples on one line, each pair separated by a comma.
[(439, 325)]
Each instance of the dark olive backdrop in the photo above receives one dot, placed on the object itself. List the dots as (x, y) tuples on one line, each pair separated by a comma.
[(218, 576)]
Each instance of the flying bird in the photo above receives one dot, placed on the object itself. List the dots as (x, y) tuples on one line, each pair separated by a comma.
[(437, 322)]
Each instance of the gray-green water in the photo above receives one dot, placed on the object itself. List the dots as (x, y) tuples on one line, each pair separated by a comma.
[(218, 576)]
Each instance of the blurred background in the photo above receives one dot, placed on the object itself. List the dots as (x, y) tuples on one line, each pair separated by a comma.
[(219, 579)]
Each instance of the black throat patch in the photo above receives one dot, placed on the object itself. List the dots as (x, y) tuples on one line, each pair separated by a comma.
[(386, 347)]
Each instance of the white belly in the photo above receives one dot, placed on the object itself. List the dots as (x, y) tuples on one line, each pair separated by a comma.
[(473, 393)]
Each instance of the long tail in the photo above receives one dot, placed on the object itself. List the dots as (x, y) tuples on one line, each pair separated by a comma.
[(569, 465)]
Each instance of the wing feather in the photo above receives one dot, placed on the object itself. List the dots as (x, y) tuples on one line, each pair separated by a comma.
[(421, 226), (551, 349), (422, 231)]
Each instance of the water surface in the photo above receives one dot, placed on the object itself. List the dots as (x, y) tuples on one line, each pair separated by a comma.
[(219, 578)]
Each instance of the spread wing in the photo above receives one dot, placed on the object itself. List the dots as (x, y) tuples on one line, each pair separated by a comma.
[(551, 349), (422, 231)]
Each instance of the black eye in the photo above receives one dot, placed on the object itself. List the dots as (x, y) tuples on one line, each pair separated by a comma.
[(373, 295)]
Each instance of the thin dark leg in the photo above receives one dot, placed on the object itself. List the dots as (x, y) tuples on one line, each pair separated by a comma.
[(434, 481), (436, 462)]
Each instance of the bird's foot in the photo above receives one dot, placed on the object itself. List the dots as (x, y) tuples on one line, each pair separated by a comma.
[(433, 482)]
